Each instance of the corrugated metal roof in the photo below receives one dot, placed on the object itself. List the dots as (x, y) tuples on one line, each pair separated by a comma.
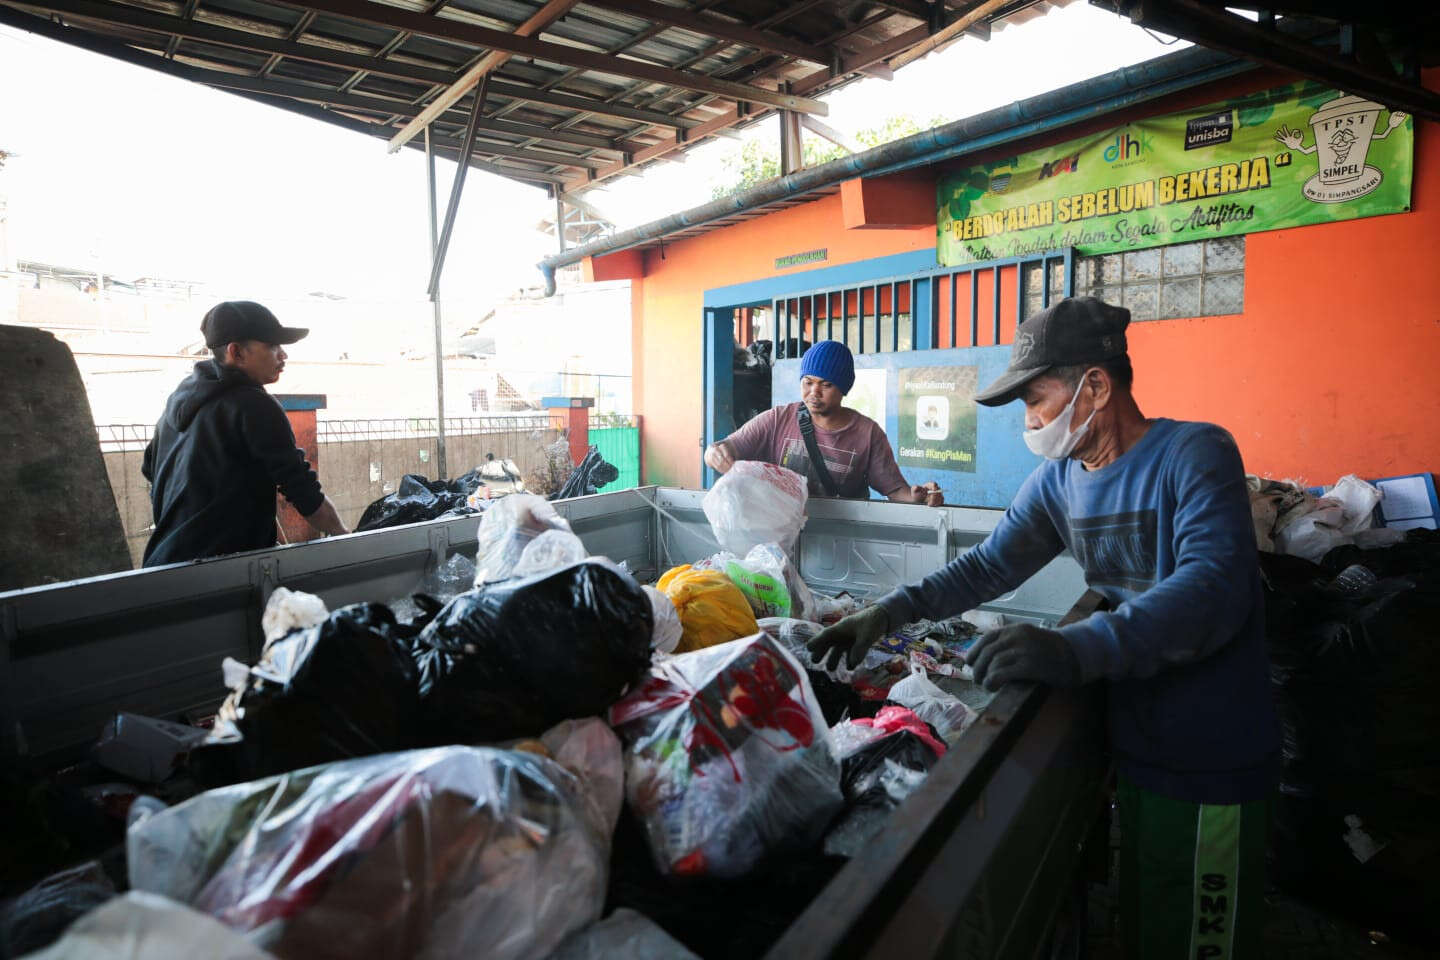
[(601, 87)]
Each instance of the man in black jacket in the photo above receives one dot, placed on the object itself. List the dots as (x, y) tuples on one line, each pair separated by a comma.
[(224, 445)]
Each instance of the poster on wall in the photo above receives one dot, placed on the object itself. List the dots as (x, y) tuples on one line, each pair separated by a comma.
[(868, 394), (937, 417), (1293, 155)]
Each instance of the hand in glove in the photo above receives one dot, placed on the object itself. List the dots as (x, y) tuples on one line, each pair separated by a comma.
[(1022, 652), (853, 635)]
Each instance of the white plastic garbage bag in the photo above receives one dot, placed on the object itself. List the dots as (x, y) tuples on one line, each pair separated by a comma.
[(668, 628), (1359, 500), (1315, 533), (289, 610), (506, 529), (147, 926), (757, 503), (945, 713), (551, 550)]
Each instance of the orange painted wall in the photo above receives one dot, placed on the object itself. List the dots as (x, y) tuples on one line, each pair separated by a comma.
[(1331, 369), (672, 295)]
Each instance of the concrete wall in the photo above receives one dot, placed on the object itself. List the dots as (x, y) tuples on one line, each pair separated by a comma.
[(1329, 370), (354, 473), (59, 523)]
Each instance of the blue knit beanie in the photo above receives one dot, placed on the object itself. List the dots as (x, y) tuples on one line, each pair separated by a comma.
[(830, 360)]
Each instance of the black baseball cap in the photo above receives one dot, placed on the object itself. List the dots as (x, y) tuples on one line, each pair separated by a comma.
[(236, 320), (1075, 331)]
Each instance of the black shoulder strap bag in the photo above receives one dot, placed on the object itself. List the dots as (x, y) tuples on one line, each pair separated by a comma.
[(817, 462)]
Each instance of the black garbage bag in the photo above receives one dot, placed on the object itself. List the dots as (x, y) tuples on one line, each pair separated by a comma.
[(518, 656), (719, 919), (37, 918), (344, 688), (587, 479), (875, 779), (1354, 666), (418, 499)]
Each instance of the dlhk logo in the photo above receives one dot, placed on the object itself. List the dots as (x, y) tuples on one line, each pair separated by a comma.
[(1126, 147)]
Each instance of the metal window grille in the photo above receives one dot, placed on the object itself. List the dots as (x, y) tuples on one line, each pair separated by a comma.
[(962, 306), (1205, 278)]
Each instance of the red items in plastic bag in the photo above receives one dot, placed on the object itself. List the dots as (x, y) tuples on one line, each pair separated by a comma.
[(893, 719), (429, 853), (728, 757)]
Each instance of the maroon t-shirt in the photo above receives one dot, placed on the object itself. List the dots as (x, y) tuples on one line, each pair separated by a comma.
[(858, 456)]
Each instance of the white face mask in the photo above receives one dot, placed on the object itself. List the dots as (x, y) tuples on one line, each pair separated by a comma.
[(1055, 440)]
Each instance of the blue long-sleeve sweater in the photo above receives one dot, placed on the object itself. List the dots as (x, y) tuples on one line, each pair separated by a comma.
[(1165, 534)]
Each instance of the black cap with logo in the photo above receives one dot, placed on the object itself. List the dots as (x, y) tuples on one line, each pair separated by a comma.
[(1077, 330), (236, 320)]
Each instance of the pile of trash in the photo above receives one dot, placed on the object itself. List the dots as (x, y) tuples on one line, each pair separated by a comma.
[(417, 499), (490, 772), (1354, 666), (1293, 520)]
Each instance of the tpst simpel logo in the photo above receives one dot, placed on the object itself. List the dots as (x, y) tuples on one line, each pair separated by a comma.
[(1126, 147)]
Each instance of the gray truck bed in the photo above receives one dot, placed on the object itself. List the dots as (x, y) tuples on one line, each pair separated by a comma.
[(975, 863)]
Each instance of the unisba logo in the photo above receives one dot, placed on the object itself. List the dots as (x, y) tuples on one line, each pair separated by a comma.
[(1126, 147)]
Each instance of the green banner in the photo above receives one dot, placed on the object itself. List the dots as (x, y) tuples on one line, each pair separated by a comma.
[(1294, 155)]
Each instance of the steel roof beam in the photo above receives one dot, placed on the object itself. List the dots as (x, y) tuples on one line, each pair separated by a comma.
[(77, 37), (718, 125), (386, 107), (1227, 32), (333, 56), (449, 28), (303, 24), (710, 25), (187, 13), (391, 45), (534, 26)]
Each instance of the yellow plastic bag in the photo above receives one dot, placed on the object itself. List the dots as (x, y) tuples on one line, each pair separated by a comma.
[(712, 609)]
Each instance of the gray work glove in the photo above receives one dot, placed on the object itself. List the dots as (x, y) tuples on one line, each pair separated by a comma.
[(853, 636), (1023, 652)]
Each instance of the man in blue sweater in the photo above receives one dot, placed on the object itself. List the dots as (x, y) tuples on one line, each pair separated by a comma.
[(1157, 513)]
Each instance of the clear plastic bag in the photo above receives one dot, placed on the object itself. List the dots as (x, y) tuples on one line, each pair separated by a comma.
[(146, 926), (794, 635), (757, 503), (551, 550), (668, 628), (936, 707), (727, 759), (506, 529), (456, 851), (624, 934), (769, 581), (589, 749)]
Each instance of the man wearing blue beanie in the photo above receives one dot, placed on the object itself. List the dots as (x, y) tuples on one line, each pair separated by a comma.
[(852, 450)]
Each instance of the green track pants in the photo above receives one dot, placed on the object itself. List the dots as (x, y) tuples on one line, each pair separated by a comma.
[(1192, 877)]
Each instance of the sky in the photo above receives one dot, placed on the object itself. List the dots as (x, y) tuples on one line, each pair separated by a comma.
[(148, 175)]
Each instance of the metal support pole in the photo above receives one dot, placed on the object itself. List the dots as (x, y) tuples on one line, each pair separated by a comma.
[(559, 216), (440, 464), (466, 149)]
